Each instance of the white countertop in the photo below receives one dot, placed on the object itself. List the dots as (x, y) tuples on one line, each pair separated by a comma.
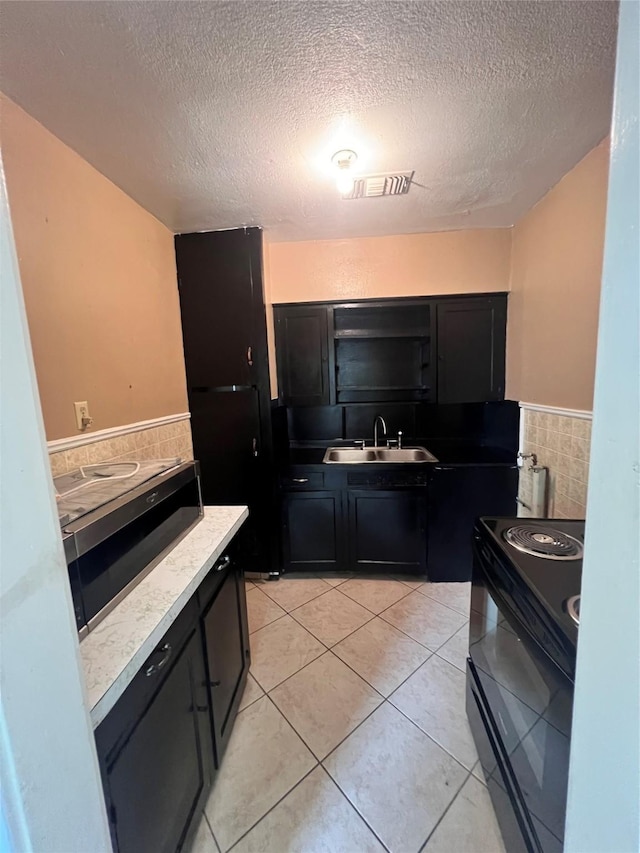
[(115, 650)]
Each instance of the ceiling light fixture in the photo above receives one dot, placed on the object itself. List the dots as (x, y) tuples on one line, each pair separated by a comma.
[(344, 161)]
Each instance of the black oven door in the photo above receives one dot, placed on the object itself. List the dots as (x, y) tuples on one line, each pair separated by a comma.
[(524, 702)]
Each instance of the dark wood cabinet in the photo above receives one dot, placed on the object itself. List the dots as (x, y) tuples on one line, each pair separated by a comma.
[(160, 745), (302, 342), (226, 358), (226, 637), (312, 530), (471, 335), (387, 530), (155, 746), (457, 496), (380, 525), (220, 307), (428, 349)]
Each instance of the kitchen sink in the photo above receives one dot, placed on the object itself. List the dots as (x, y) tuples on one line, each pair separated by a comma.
[(371, 455), (349, 455), (404, 454)]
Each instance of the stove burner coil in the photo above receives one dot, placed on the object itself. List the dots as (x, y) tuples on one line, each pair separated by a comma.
[(573, 608), (545, 542)]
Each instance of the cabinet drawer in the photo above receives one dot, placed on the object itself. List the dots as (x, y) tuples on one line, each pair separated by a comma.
[(220, 569), (303, 480), (388, 479)]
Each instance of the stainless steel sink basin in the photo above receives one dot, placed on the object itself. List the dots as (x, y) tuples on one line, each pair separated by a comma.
[(372, 455), (404, 454), (349, 455)]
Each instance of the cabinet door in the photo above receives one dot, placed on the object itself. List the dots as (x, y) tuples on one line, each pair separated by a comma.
[(227, 650), (471, 349), (457, 496), (387, 530), (312, 531), (157, 778), (217, 303), (302, 349)]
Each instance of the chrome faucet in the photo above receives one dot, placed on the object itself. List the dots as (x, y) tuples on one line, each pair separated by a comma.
[(375, 428)]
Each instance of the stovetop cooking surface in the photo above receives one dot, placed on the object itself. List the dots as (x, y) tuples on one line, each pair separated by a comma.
[(552, 582)]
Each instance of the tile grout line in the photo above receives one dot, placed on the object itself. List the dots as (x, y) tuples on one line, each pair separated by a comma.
[(355, 808), (213, 835), (276, 804), (448, 606), (442, 816), (431, 738), (277, 619), (313, 598), (415, 725)]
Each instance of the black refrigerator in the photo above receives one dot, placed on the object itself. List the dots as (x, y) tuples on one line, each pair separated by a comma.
[(220, 282)]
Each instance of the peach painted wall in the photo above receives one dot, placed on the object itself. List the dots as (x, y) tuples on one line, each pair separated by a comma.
[(555, 289), (400, 265), (99, 280)]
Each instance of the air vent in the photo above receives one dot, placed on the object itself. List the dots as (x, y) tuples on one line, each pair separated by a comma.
[(374, 186)]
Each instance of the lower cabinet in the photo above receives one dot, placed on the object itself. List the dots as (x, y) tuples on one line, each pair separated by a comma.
[(363, 530), (160, 745), (416, 520), (387, 530), (155, 746), (313, 533), (226, 637), (457, 496)]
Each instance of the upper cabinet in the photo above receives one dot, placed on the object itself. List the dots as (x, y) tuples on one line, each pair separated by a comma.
[(302, 346), (471, 337), (405, 350), (222, 307), (382, 352)]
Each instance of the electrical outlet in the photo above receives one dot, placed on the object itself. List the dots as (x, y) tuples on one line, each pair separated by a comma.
[(83, 418)]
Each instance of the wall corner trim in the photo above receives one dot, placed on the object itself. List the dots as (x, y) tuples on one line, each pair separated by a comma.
[(60, 444), (554, 410)]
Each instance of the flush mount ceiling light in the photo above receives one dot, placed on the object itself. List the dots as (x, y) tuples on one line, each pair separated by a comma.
[(344, 162)]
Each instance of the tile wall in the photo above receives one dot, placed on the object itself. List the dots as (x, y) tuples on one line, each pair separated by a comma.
[(159, 442), (562, 445)]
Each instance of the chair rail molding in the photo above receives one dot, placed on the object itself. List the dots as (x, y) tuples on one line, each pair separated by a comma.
[(72, 441)]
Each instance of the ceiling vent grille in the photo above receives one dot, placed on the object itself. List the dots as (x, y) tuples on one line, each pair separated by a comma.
[(375, 186)]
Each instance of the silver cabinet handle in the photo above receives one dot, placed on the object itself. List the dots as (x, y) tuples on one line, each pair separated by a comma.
[(156, 667), (224, 563), (250, 356), (300, 479), (254, 446)]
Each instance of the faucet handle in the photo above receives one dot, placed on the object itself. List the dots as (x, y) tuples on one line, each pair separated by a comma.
[(392, 442), (360, 442)]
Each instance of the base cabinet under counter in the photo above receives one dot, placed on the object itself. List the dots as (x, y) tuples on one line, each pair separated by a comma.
[(406, 519), (312, 531), (226, 641), (160, 746), (371, 521), (386, 530)]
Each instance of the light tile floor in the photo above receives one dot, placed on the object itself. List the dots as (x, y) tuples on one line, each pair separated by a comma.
[(352, 734)]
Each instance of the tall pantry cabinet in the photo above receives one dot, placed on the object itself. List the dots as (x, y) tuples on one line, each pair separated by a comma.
[(220, 282)]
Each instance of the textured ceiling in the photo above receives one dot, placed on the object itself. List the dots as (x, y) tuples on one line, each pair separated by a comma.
[(217, 114)]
